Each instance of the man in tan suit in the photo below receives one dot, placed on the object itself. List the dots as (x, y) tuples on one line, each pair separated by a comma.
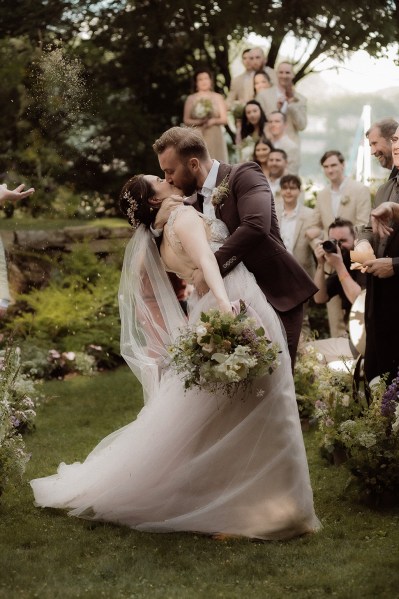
[(242, 86), (344, 198), (286, 99)]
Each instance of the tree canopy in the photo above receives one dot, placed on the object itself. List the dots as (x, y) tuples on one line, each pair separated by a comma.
[(136, 62)]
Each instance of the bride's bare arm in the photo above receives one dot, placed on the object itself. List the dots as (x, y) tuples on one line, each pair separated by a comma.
[(190, 231)]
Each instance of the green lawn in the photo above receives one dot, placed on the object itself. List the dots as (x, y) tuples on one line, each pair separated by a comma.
[(46, 554)]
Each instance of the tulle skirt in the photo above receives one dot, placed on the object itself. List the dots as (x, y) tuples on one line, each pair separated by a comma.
[(197, 462)]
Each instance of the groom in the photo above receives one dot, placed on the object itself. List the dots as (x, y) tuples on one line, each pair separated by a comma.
[(243, 201)]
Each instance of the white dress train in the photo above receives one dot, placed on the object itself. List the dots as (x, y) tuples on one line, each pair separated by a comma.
[(192, 461)]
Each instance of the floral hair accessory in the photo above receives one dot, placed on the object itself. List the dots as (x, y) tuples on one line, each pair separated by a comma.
[(133, 206), (220, 193)]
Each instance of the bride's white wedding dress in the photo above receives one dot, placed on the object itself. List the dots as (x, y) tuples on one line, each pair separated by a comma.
[(193, 461)]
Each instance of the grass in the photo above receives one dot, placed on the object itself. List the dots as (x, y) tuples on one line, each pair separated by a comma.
[(46, 554)]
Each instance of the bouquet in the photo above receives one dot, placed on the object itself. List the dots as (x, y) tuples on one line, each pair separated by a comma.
[(203, 109), (224, 351)]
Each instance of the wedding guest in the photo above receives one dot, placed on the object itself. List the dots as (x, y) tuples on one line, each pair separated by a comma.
[(253, 127), (344, 198), (294, 219), (284, 97), (258, 62), (241, 87), (379, 137), (277, 164), (261, 81), (382, 297), (8, 195), (261, 154), (206, 110), (4, 289), (342, 281), (14, 194), (277, 130)]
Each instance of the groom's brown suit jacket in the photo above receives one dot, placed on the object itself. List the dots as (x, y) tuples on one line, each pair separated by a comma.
[(249, 213)]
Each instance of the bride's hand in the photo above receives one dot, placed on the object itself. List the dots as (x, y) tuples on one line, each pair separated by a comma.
[(166, 208)]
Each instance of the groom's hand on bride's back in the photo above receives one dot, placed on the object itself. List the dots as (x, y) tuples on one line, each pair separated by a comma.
[(164, 211)]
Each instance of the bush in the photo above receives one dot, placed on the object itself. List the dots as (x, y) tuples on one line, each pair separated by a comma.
[(77, 311)]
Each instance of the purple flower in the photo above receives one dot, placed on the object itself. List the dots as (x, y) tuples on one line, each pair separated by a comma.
[(390, 398)]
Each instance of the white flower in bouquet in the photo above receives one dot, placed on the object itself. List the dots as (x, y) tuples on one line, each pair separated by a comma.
[(202, 109)]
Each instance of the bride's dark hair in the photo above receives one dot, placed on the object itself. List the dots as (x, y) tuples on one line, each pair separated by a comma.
[(133, 201)]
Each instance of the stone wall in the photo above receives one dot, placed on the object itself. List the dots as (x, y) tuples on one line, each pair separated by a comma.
[(31, 254)]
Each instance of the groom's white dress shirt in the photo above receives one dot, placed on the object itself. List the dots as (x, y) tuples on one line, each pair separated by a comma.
[(207, 189)]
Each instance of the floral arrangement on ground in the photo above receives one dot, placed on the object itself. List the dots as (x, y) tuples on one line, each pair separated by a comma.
[(18, 399), (223, 351)]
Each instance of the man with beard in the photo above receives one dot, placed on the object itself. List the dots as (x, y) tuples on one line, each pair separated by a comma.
[(379, 136), (240, 196)]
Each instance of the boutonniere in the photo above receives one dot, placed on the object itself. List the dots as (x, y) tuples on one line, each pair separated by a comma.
[(345, 200), (220, 193)]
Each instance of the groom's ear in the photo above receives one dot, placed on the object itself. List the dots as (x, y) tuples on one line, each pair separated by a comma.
[(194, 164)]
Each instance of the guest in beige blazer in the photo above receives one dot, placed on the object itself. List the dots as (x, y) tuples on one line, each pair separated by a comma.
[(294, 219), (346, 199), (242, 86), (284, 97)]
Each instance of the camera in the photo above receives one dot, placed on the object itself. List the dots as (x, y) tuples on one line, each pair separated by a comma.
[(330, 246)]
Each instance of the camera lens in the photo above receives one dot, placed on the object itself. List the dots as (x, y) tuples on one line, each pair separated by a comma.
[(330, 246)]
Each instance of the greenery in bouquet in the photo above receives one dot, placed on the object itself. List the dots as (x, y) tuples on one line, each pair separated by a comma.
[(223, 351), (371, 442), (203, 109), (17, 414), (237, 110)]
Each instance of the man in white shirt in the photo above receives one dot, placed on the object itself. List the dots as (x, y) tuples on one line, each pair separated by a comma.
[(294, 219), (277, 130)]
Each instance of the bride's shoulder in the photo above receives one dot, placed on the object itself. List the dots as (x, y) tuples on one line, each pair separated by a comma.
[(182, 214)]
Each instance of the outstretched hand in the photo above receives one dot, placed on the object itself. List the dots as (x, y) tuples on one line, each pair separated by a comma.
[(382, 216), (166, 208), (14, 194)]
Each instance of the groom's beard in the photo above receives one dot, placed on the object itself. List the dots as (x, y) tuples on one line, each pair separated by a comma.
[(188, 183)]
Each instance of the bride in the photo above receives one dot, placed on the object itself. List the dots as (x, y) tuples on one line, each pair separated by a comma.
[(191, 461)]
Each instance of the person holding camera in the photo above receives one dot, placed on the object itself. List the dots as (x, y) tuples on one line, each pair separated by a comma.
[(342, 283), (334, 252)]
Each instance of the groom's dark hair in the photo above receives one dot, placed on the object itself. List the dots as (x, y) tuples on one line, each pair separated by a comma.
[(185, 140)]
